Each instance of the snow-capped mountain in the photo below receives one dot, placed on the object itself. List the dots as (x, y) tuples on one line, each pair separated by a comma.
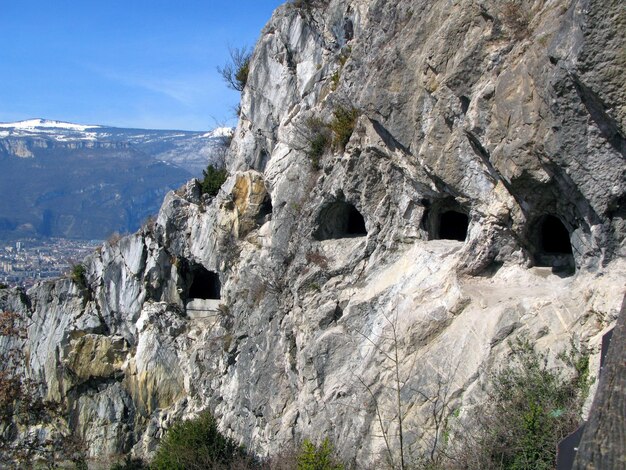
[(189, 150), (34, 124), (87, 181)]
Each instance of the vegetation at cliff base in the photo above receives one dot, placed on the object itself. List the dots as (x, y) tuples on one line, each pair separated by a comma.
[(196, 444), (130, 463), (321, 457), (530, 408)]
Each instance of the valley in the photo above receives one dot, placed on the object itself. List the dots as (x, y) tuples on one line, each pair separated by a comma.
[(83, 182)]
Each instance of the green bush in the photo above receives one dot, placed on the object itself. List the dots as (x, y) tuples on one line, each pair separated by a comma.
[(196, 444), (322, 457), (320, 136), (529, 410), (78, 275), (3, 285), (213, 179), (308, 5), (317, 147), (241, 75), (319, 140), (342, 125)]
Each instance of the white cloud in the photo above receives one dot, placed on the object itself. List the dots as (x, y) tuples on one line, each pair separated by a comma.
[(187, 90)]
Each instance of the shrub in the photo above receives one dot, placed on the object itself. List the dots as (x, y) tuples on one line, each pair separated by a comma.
[(320, 135), (345, 55), (312, 457), (308, 5), (213, 179), (3, 285), (317, 258), (342, 125), (196, 444), (319, 140), (530, 409), (78, 275), (235, 73)]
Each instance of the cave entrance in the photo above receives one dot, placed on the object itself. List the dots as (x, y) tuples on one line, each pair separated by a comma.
[(265, 210), (554, 237), (453, 226), (445, 219), (205, 284), (340, 220), (552, 244)]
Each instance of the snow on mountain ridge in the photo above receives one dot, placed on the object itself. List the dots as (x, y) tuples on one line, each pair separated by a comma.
[(32, 124), (55, 129), (190, 150), (220, 132)]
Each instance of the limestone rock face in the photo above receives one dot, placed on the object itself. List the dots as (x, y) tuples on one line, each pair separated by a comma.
[(479, 197)]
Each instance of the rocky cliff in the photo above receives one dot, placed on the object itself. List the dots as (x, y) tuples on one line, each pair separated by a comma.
[(479, 197)]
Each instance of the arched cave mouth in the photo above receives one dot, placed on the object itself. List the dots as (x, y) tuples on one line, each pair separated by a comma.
[(553, 236), (552, 244), (265, 210), (340, 219), (204, 284), (445, 219), (453, 225)]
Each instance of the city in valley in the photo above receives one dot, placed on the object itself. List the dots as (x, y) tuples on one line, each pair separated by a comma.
[(27, 261)]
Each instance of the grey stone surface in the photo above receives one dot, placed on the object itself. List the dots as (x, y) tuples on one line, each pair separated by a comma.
[(460, 108)]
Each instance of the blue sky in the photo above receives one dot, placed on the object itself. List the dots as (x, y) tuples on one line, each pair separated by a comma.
[(126, 63)]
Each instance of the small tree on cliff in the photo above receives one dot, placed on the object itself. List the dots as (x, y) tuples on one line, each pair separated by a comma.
[(235, 72), (213, 179)]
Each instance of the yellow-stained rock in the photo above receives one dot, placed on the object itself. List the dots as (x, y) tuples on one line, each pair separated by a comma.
[(95, 356), (248, 194)]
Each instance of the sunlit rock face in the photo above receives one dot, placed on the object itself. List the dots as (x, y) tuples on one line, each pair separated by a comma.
[(479, 197)]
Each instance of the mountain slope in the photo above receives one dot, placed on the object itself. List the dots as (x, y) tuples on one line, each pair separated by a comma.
[(69, 180)]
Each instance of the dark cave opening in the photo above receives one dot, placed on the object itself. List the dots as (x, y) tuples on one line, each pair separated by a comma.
[(554, 237), (265, 210), (453, 225), (356, 223), (552, 245), (205, 284), (340, 220), (465, 102)]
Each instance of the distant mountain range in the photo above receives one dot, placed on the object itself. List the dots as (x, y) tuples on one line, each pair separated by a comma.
[(86, 181)]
